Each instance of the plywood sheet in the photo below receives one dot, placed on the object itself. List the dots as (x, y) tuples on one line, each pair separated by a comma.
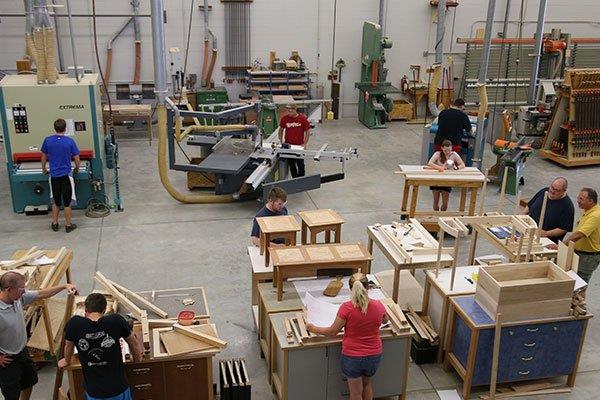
[(349, 251), (288, 255), (56, 310), (177, 343), (283, 223), (319, 253)]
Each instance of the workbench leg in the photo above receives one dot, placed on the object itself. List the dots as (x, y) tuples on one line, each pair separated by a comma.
[(294, 240), (48, 326), (304, 229), (470, 370), (472, 248), (405, 197), (327, 236), (473, 202), (313, 237), (573, 375), (396, 285), (450, 336), (267, 258), (442, 333), (338, 234), (279, 286), (263, 243), (413, 201), (68, 275), (426, 292), (463, 200), (370, 245)]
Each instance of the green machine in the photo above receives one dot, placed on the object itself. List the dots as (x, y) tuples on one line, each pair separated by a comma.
[(28, 112), (374, 103), (207, 96)]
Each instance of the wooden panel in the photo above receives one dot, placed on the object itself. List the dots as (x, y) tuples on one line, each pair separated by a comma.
[(146, 380), (320, 253), (320, 217), (177, 343), (288, 255), (56, 310), (350, 251), (189, 379), (282, 223), (536, 310)]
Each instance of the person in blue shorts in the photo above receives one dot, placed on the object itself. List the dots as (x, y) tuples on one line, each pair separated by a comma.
[(59, 150)]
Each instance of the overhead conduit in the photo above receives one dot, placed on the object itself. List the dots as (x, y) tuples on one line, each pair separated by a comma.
[(160, 82)]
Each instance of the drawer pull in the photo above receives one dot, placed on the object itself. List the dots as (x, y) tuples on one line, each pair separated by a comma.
[(524, 373), (529, 344), (533, 330), (526, 358), (145, 386), (185, 367), (141, 371)]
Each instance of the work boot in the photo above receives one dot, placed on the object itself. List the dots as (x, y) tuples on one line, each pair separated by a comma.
[(70, 228), (54, 227)]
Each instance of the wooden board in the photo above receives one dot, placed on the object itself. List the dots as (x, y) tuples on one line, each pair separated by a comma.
[(301, 254), (203, 337), (176, 343), (56, 310), (280, 223), (320, 217)]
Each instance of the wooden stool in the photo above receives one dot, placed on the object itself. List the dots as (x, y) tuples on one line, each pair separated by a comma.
[(278, 227), (317, 221)]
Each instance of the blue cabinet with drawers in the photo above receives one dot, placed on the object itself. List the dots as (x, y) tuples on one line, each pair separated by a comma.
[(528, 350)]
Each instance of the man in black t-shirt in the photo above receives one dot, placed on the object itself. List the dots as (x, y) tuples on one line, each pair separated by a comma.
[(275, 206), (451, 124), (97, 338), (560, 211)]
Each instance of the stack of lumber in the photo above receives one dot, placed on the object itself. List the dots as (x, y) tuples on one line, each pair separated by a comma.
[(396, 317), (295, 330), (179, 339), (578, 305), (422, 326)]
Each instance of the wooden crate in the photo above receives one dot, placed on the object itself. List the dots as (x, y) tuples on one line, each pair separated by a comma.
[(402, 110), (200, 180), (524, 291)]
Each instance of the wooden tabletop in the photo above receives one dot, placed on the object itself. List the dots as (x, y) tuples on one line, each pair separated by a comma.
[(321, 217), (420, 173), (319, 253), (277, 224)]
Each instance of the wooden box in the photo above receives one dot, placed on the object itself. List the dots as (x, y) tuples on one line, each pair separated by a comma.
[(200, 180), (402, 110), (525, 291)]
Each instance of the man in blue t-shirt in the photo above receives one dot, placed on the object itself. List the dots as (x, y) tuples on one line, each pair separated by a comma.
[(558, 219), (275, 206), (59, 150)]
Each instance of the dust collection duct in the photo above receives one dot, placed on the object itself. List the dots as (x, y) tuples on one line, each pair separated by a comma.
[(40, 40)]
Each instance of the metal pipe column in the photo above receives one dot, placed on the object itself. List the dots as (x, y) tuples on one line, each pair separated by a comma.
[(158, 48), (61, 63), (506, 17), (73, 41), (382, 16), (537, 52), (440, 32), (483, 67)]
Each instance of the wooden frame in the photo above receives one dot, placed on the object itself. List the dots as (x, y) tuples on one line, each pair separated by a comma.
[(330, 222), (282, 226)]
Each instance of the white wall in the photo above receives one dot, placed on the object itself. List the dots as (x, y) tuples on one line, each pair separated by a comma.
[(285, 25)]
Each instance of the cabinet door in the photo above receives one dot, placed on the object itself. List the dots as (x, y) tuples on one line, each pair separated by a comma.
[(146, 381), (189, 379), (307, 374)]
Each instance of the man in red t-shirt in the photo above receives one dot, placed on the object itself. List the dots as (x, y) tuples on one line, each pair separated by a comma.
[(297, 132)]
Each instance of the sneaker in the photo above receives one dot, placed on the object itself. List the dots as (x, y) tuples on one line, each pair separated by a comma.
[(70, 228), (54, 227)]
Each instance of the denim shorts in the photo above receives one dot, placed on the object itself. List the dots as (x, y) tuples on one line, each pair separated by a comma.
[(356, 367)]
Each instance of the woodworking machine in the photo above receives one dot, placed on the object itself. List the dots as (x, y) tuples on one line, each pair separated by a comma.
[(374, 105), (28, 112), (243, 162)]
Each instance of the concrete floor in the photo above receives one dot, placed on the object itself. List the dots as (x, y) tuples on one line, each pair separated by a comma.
[(159, 243)]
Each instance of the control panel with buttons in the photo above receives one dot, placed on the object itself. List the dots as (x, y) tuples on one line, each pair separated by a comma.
[(20, 119)]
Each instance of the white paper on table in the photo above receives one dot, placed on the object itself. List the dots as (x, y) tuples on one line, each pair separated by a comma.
[(320, 313), (579, 283), (43, 260), (316, 287)]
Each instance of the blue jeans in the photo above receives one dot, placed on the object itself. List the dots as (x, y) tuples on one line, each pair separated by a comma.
[(357, 367), (126, 395)]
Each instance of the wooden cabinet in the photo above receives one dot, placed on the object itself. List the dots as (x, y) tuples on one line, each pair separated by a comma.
[(181, 379)]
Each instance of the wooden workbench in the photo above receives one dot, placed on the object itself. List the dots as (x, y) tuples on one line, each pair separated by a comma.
[(417, 259), (415, 176), (130, 112), (534, 349), (306, 260), (276, 227), (312, 370), (316, 221), (260, 272)]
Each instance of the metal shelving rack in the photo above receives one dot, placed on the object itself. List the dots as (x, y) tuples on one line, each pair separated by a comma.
[(293, 83)]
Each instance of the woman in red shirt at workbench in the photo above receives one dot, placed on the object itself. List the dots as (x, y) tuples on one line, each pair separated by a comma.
[(361, 319)]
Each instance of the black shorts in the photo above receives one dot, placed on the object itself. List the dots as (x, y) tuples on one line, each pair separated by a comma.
[(441, 188), (19, 375), (61, 190)]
